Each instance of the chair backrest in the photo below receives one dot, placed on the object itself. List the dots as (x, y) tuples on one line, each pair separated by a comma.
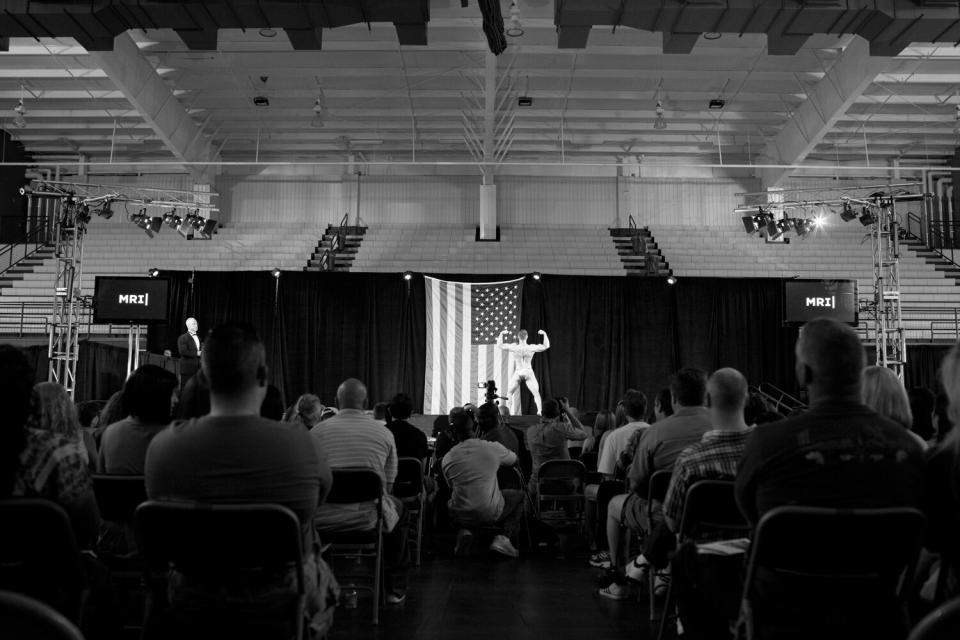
[(658, 484), (510, 478), (817, 552), (118, 496), (351, 486), (39, 555), (219, 539), (943, 623), (712, 505), (589, 460), (23, 618), (561, 470), (409, 482)]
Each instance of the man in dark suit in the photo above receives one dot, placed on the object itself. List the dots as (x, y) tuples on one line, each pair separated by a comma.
[(189, 348)]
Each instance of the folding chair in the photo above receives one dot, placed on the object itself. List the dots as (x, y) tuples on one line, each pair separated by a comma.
[(843, 571), (233, 564), (353, 486), (657, 488), (511, 478), (560, 483), (118, 497), (39, 556), (23, 618), (943, 623), (408, 486), (710, 505)]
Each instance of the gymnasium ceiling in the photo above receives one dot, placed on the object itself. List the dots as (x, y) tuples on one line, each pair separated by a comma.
[(187, 94)]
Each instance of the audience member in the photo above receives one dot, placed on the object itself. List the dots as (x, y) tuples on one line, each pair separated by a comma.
[(942, 422), (380, 413), (354, 440), (51, 409), (883, 392), (195, 397), (634, 405), (233, 455), (662, 405), (111, 412), (272, 406), (603, 424), (411, 442), (492, 429), (658, 449), (38, 463), (470, 469), (547, 440), (147, 400), (306, 411), (922, 402)]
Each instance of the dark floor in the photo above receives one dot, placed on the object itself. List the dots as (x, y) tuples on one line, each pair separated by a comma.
[(487, 597)]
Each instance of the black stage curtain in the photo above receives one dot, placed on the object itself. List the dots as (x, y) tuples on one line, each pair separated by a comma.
[(101, 368), (608, 333)]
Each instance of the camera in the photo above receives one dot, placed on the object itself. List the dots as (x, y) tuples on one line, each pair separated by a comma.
[(491, 387)]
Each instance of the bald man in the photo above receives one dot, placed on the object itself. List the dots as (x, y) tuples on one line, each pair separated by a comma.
[(352, 439), (189, 349)]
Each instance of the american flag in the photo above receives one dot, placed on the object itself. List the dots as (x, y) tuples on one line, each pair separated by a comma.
[(463, 322)]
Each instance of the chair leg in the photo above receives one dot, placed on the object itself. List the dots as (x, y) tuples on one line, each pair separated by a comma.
[(667, 610), (378, 579), (419, 533), (651, 582)]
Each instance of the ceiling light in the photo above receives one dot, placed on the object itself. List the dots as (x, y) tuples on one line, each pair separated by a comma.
[(717, 103), (803, 226), (408, 275), (275, 273), (671, 280), (204, 228), (848, 213), (153, 272), (172, 220), (514, 27), (660, 123), (536, 276), (267, 32), (867, 217), (712, 35), (261, 101)]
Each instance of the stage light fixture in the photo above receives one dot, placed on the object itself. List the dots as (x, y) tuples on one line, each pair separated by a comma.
[(867, 217), (536, 276), (153, 272), (105, 211), (204, 228), (514, 28), (172, 220), (803, 226), (848, 213), (81, 214), (671, 280), (275, 273), (408, 275)]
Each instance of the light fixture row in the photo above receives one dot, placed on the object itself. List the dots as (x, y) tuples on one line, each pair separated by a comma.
[(192, 226)]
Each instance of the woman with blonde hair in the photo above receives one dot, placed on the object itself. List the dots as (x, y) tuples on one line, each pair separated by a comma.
[(884, 393), (307, 410)]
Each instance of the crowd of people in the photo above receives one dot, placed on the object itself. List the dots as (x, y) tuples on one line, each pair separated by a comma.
[(864, 441)]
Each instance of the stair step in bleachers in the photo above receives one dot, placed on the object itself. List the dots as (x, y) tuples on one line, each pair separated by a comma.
[(454, 249)]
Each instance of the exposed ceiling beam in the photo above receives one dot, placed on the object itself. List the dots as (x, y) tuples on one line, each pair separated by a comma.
[(827, 102), (136, 79)]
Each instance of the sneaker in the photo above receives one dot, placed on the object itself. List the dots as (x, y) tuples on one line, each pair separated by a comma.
[(396, 597), (660, 584), (615, 591), (502, 544), (638, 569), (608, 577), (464, 543), (601, 560)]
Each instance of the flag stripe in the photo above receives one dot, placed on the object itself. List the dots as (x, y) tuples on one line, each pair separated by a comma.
[(457, 356), (448, 361), (466, 350), (432, 382), (438, 358)]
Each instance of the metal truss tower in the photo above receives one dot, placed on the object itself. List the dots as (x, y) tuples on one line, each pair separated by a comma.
[(891, 345), (71, 226)]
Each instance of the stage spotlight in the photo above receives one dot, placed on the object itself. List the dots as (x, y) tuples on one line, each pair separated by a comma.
[(751, 224), (867, 217), (671, 280), (803, 226), (205, 228), (275, 273), (536, 276), (82, 214), (106, 212), (819, 221), (172, 220), (408, 275), (153, 272), (771, 228), (848, 213)]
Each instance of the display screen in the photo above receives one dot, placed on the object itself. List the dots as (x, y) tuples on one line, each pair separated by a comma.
[(804, 300), (130, 299)]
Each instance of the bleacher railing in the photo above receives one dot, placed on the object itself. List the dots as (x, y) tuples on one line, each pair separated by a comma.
[(37, 238), (780, 401), (941, 236), (33, 318)]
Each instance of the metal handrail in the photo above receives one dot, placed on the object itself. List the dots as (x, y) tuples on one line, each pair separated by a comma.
[(19, 318), (781, 399), (39, 237)]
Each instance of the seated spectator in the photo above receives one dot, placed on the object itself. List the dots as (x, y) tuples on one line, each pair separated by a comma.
[(658, 449), (942, 422), (602, 425), (613, 448), (306, 411), (884, 393), (352, 439), (838, 453), (380, 412), (715, 457), (922, 402), (51, 409), (470, 469), (148, 398), (662, 405), (235, 456), (38, 463), (111, 412), (195, 397), (411, 442), (547, 440), (492, 429), (272, 406)]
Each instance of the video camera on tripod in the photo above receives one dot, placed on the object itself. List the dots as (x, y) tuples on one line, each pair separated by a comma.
[(491, 394)]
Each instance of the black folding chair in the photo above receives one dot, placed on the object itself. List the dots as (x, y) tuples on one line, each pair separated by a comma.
[(657, 488), (39, 556), (23, 618), (830, 572), (230, 565), (408, 486), (118, 497), (559, 485), (943, 623), (710, 506), (354, 486)]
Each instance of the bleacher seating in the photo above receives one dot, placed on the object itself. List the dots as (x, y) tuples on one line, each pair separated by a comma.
[(453, 249), (839, 251)]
